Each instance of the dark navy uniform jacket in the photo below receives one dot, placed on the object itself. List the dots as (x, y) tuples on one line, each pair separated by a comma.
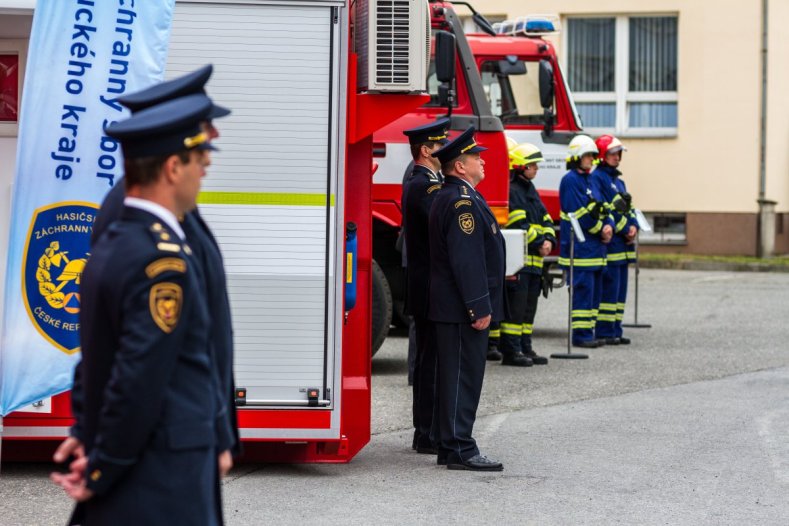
[(467, 260), (150, 410), (528, 213), (207, 253), (612, 187), (419, 191)]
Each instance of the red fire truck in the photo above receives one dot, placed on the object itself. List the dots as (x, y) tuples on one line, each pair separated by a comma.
[(289, 199), (508, 81)]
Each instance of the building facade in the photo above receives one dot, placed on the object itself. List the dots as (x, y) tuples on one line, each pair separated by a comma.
[(681, 83)]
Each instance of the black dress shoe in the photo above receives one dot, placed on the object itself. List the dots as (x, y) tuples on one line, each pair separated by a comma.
[(536, 358), (587, 344), (427, 450), (477, 463), (494, 354), (612, 341), (518, 360), (624, 341), (441, 461)]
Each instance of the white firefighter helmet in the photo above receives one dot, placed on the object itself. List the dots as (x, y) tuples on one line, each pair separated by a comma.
[(511, 143), (580, 145)]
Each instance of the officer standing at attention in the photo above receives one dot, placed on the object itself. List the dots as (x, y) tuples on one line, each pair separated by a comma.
[(608, 179), (528, 214), (466, 294), (419, 191), (151, 411), (580, 196), (206, 251)]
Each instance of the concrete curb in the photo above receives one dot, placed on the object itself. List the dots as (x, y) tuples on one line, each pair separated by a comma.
[(689, 264)]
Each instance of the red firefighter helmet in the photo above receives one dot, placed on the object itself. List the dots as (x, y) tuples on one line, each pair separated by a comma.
[(608, 144)]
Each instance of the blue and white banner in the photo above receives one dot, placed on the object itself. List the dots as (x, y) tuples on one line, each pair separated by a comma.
[(82, 55)]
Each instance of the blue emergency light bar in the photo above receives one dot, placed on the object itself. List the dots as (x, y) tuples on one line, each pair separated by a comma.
[(535, 25)]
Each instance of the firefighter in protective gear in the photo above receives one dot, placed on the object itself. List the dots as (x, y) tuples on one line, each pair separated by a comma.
[(621, 248), (527, 213), (494, 336), (580, 196)]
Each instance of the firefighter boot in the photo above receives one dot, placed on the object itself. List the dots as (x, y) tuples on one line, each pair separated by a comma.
[(536, 358), (518, 360)]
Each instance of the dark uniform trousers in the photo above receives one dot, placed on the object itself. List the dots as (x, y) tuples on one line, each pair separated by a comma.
[(419, 190), (466, 284), (150, 414)]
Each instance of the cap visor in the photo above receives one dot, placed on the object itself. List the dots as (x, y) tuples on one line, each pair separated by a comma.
[(218, 111), (476, 149)]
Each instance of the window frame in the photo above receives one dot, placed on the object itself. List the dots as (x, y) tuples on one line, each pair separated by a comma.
[(14, 47), (661, 237), (621, 96)]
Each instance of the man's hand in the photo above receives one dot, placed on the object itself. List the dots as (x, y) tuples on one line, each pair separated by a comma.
[(70, 446), (546, 247), (607, 233), (481, 323), (73, 482), (225, 463), (631, 234)]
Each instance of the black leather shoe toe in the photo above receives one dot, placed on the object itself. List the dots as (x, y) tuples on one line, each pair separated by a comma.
[(536, 358), (624, 341), (612, 341), (477, 463), (587, 344)]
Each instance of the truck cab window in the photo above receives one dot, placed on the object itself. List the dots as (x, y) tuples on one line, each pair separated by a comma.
[(514, 98)]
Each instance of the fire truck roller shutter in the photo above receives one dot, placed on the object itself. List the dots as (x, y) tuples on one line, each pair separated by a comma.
[(271, 196)]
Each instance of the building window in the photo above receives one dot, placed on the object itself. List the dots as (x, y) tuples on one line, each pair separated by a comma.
[(667, 229), (623, 73), (9, 87)]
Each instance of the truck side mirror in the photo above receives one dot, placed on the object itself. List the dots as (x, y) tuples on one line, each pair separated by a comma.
[(547, 94), (445, 56), (546, 84), (512, 66)]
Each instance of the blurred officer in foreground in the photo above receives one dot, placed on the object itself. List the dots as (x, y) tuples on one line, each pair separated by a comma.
[(620, 250), (466, 293), (580, 196), (152, 410), (528, 214), (419, 191), (206, 251)]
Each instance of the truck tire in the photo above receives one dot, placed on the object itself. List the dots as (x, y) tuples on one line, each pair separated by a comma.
[(382, 307)]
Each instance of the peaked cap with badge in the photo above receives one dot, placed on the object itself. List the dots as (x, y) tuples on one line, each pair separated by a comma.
[(190, 84), (170, 127), (463, 143), (431, 132)]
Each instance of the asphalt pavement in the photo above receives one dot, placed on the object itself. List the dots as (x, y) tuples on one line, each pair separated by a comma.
[(688, 425)]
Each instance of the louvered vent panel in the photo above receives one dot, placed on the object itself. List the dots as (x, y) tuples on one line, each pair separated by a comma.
[(393, 45)]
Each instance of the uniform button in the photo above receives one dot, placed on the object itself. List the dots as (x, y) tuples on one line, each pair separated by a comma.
[(95, 475)]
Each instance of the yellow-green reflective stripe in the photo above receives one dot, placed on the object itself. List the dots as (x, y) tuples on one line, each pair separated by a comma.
[(580, 313), (621, 224), (578, 214), (263, 198), (549, 230), (517, 213), (514, 217), (619, 256), (527, 328), (620, 306), (578, 262), (547, 217), (531, 235), (511, 329), (608, 306), (494, 333), (583, 325), (606, 317), (620, 316), (533, 261), (595, 229)]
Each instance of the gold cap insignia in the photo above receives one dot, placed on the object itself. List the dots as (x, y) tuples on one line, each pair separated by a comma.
[(157, 227), (467, 148), (437, 137), (466, 222), (196, 140), (165, 303)]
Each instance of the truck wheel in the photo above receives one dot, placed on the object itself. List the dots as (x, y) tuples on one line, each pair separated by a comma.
[(382, 307)]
